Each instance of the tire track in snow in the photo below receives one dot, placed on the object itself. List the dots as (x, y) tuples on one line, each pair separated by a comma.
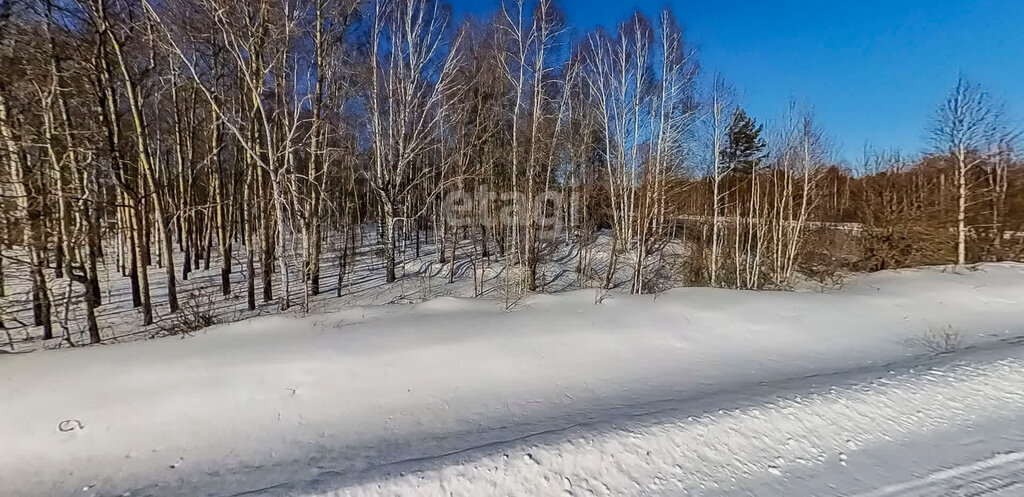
[(1000, 473), (717, 451)]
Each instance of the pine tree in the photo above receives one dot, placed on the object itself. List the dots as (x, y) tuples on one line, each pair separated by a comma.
[(745, 145)]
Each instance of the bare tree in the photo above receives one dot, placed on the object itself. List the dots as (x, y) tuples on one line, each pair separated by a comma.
[(719, 118), (409, 77), (967, 127)]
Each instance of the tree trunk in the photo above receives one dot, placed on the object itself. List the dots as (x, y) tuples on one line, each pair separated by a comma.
[(389, 243), (961, 208)]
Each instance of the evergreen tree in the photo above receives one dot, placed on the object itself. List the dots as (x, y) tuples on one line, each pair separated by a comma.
[(745, 145)]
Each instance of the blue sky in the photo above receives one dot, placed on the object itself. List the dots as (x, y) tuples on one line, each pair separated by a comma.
[(874, 70)]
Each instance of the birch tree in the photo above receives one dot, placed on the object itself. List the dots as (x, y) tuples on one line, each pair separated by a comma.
[(411, 70), (967, 128), (719, 115)]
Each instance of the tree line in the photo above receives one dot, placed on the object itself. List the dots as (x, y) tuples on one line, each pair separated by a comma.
[(261, 136)]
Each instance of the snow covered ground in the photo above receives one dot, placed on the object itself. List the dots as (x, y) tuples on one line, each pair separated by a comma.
[(421, 277), (728, 451), (695, 391)]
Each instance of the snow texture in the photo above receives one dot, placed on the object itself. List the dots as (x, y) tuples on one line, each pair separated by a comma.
[(701, 390), (718, 449)]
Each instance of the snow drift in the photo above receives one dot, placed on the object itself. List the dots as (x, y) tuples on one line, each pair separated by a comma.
[(328, 402)]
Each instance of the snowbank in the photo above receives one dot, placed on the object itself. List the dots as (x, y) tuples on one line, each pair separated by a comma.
[(277, 403), (715, 451)]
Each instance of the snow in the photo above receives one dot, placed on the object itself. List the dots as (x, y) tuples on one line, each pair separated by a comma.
[(421, 278), (697, 389), (671, 456)]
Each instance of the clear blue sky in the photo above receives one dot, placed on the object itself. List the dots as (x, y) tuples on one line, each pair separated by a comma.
[(874, 70)]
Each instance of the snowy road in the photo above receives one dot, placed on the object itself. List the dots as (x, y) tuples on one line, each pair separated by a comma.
[(699, 391), (798, 444)]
